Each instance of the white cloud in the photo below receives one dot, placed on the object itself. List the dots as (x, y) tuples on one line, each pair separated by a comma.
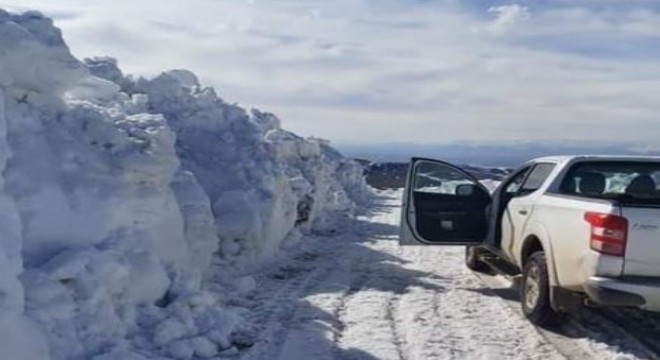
[(507, 18), (397, 70)]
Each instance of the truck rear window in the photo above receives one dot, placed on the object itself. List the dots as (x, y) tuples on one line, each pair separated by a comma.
[(624, 181)]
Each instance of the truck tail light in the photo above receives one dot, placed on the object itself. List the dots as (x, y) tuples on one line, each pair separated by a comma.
[(609, 233)]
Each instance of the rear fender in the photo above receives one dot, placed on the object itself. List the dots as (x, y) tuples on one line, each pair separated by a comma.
[(561, 300)]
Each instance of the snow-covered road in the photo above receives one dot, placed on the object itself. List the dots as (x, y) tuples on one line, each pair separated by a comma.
[(362, 296)]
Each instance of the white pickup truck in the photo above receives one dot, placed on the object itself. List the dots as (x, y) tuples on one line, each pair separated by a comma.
[(579, 229)]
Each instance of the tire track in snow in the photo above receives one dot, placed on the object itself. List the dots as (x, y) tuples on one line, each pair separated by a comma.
[(568, 348), (370, 311), (364, 297), (342, 309), (436, 317), (393, 317), (278, 301), (623, 329), (369, 326), (303, 317), (442, 317), (315, 323)]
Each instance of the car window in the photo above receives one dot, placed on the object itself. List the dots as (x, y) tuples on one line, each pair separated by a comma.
[(537, 177), (515, 183), (621, 180), (433, 177)]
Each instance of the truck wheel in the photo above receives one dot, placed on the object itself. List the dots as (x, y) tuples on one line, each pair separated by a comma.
[(535, 293), (473, 260)]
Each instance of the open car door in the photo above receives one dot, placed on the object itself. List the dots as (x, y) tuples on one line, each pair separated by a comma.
[(443, 205)]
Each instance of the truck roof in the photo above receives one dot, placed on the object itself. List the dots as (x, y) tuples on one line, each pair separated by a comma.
[(569, 158)]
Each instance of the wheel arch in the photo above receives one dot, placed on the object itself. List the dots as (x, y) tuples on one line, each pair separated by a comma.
[(537, 238), (531, 244)]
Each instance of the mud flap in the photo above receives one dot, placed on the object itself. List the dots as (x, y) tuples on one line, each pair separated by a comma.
[(565, 301)]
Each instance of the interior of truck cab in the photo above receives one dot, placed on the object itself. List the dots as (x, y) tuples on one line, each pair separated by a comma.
[(448, 203), (642, 185), (501, 198), (626, 181)]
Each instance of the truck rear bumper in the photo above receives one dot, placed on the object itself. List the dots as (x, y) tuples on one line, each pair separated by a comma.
[(630, 292)]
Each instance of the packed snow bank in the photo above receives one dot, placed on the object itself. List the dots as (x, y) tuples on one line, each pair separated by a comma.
[(121, 199), (261, 181)]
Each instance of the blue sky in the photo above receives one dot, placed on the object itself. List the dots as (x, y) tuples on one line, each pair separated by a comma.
[(377, 71)]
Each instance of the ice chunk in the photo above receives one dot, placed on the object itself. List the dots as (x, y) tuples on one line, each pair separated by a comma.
[(168, 331), (105, 67), (34, 56), (184, 77), (21, 339), (204, 348), (181, 349)]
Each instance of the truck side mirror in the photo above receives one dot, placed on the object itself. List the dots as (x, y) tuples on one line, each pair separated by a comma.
[(466, 190), (473, 191)]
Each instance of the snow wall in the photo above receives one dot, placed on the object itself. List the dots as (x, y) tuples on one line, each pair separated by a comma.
[(122, 198)]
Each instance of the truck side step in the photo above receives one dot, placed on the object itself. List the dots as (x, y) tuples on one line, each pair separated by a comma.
[(500, 265)]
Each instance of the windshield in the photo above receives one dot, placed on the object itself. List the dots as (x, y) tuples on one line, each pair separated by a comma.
[(625, 181)]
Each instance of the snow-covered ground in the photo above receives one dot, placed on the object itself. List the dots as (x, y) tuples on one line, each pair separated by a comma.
[(362, 296)]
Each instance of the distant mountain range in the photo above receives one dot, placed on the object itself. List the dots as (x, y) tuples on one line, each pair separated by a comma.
[(489, 155), (392, 175)]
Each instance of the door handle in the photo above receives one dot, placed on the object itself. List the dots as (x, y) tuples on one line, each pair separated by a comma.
[(523, 212)]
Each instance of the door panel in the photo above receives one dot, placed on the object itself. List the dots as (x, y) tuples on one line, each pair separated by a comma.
[(442, 205), (520, 207), (516, 215), (501, 219)]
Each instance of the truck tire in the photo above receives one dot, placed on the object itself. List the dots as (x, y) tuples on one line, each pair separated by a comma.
[(473, 260), (535, 293)]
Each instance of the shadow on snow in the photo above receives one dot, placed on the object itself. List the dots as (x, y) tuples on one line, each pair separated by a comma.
[(352, 266), (585, 324)]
